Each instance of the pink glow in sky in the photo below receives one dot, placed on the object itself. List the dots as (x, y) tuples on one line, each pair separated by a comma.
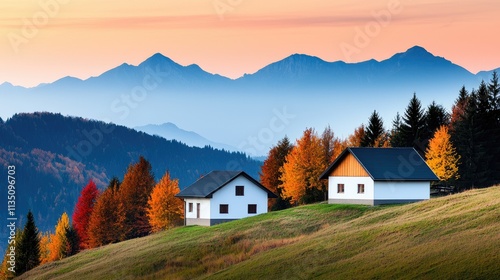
[(83, 38)]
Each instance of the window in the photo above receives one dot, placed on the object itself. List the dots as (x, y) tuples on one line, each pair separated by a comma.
[(223, 208), (198, 206), (240, 190), (190, 207), (361, 188), (340, 188), (252, 208)]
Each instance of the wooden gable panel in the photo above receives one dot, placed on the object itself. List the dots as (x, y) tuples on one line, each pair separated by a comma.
[(349, 167)]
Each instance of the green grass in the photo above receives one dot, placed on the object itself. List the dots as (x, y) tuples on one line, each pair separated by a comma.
[(452, 237)]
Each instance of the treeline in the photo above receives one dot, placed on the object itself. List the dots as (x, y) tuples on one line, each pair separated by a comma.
[(460, 145), (134, 207)]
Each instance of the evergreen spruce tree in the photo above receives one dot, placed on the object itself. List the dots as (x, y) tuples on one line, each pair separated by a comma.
[(413, 126), (397, 132), (494, 92), (29, 247), (374, 131), (435, 117)]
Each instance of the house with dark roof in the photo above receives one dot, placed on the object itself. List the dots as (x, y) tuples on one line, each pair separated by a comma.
[(376, 176), (223, 196)]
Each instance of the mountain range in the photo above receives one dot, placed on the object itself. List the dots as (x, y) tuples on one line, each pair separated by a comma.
[(171, 131), (234, 111)]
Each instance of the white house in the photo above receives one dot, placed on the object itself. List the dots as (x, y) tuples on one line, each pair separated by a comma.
[(376, 176), (223, 196)]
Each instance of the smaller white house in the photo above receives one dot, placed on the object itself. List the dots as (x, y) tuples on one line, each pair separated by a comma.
[(223, 196), (376, 176)]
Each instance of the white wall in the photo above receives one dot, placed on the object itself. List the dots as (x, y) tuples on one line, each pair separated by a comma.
[(350, 187), (204, 208), (402, 190), (238, 205)]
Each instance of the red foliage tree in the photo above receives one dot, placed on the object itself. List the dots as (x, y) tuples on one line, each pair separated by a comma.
[(83, 210)]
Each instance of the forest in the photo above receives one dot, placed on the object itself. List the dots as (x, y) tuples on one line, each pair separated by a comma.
[(459, 144)]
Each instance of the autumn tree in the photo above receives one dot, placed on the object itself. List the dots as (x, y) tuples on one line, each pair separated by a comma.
[(165, 210), (355, 139), (441, 156), (328, 144), (302, 169), (134, 195), (81, 214), (28, 256), (45, 238), (271, 172), (458, 108), (106, 220), (59, 241)]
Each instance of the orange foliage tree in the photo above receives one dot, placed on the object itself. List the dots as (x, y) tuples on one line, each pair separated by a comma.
[(59, 241), (301, 171), (134, 195), (165, 210), (106, 221), (441, 156), (271, 172)]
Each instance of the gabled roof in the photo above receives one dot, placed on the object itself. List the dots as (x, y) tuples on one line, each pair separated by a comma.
[(207, 185), (388, 164)]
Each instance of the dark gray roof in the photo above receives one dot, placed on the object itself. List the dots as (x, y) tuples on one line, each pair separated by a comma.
[(388, 164), (215, 180)]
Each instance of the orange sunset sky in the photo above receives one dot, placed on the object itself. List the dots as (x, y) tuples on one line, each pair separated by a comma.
[(44, 40)]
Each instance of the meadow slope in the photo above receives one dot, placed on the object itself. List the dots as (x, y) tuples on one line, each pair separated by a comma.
[(453, 237)]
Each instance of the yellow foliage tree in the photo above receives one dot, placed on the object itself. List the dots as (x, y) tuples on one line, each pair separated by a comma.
[(59, 242), (45, 247), (302, 168), (165, 210), (441, 156)]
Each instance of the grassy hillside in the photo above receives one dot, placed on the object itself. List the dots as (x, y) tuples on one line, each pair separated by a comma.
[(453, 237)]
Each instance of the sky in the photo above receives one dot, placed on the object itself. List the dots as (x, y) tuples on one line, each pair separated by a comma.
[(44, 40)]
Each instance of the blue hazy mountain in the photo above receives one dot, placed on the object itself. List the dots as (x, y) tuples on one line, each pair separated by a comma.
[(240, 112), (170, 131)]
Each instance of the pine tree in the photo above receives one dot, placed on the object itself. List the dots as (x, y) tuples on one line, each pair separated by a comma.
[(442, 157), (271, 173), (134, 195), (165, 210), (374, 131), (397, 132), (302, 169), (435, 117), (494, 92), (413, 125), (73, 242), (106, 220), (29, 247), (81, 214)]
